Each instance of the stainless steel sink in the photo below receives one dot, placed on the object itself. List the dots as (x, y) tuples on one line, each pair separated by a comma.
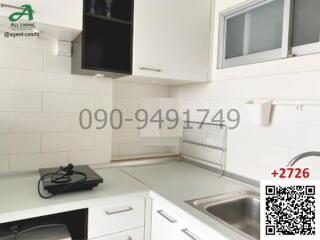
[(240, 211)]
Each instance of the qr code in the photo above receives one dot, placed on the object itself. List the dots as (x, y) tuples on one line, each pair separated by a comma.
[(290, 210)]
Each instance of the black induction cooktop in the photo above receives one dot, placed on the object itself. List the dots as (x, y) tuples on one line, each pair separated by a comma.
[(69, 179)]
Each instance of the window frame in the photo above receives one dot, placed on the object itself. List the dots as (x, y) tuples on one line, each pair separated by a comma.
[(286, 50)]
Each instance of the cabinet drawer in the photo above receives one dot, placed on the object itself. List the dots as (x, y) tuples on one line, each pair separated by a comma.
[(115, 218), (164, 223), (189, 232), (136, 234)]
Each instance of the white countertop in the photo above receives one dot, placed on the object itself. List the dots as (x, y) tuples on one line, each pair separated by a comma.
[(175, 182), (19, 197), (178, 182)]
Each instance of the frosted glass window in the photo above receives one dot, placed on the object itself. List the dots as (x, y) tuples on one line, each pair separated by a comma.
[(235, 36), (256, 30), (306, 22), (265, 25)]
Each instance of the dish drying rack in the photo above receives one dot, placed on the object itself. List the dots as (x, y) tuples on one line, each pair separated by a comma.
[(210, 137)]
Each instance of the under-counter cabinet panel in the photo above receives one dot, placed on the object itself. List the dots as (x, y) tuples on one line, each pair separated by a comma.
[(136, 234), (171, 40), (166, 224), (115, 218)]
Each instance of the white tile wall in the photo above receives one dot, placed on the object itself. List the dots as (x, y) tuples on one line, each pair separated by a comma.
[(127, 149), (125, 135), (56, 102), (58, 64), (97, 86), (20, 58), (16, 101), (5, 78), (39, 122), (19, 143), (255, 151), (95, 156), (102, 139), (40, 103), (40, 81), (55, 142), (126, 141), (4, 122), (4, 164), (28, 162)]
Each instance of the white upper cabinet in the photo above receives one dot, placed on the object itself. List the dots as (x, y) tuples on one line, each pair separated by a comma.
[(253, 34), (306, 27), (171, 40), (57, 18), (267, 30)]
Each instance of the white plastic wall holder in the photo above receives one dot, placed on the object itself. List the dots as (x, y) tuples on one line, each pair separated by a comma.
[(259, 111), (63, 48)]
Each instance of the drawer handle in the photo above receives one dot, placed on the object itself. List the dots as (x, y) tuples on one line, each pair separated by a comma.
[(151, 69), (164, 215), (120, 211), (190, 234)]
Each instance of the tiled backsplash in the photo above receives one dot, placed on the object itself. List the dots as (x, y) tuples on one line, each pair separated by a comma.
[(126, 141), (40, 103), (254, 151)]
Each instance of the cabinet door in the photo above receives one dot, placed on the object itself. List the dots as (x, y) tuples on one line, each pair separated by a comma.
[(59, 13), (164, 224), (171, 39), (254, 34), (113, 218), (306, 27), (188, 232), (136, 234)]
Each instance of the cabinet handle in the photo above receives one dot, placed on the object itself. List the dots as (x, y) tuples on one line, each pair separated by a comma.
[(163, 214), (151, 69), (120, 211), (190, 234), (3, 5)]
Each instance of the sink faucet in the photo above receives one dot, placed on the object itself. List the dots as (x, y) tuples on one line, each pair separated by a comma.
[(302, 156)]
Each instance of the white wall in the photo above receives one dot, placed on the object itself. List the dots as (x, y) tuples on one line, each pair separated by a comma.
[(40, 103), (126, 141), (255, 151)]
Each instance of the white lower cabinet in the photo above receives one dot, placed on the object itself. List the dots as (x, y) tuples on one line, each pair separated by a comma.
[(164, 224), (167, 225), (136, 234), (115, 218), (189, 232)]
